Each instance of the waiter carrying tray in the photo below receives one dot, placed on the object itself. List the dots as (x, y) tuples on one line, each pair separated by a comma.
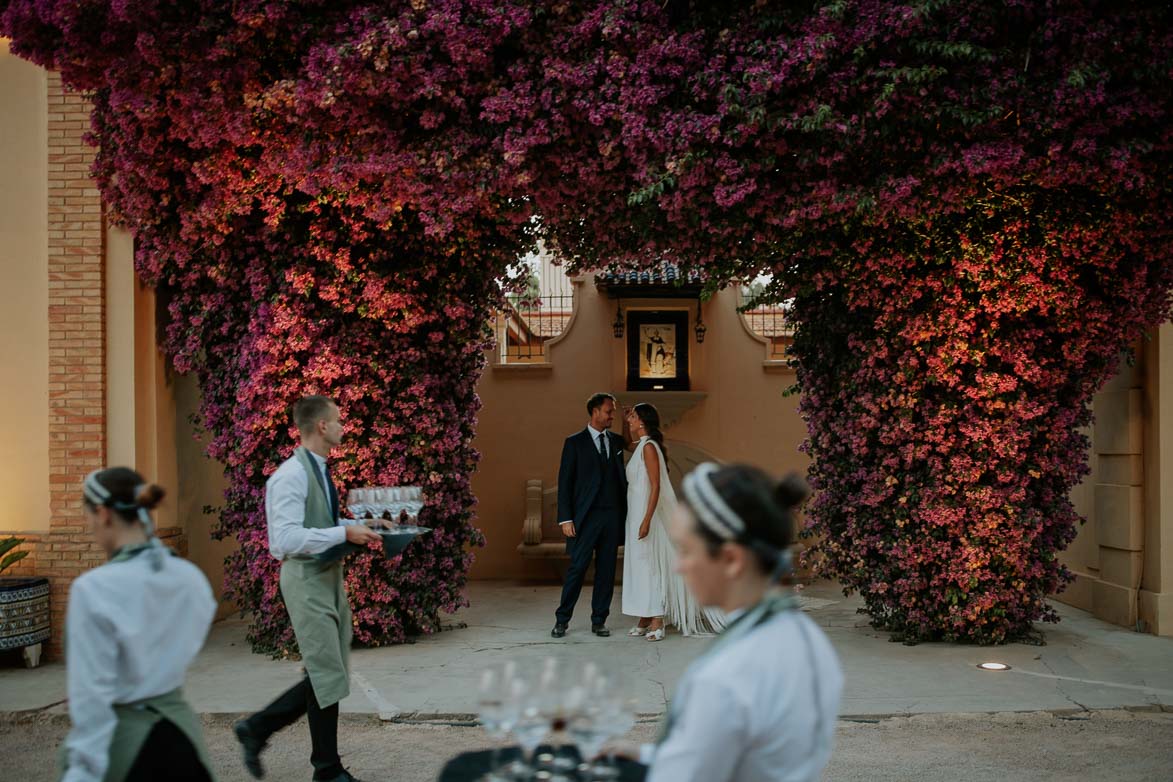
[(301, 509)]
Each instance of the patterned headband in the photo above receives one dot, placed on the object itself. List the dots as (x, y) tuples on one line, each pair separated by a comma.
[(711, 508), (98, 494), (712, 511)]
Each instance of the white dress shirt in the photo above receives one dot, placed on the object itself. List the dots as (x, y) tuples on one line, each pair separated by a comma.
[(285, 494), (595, 435), (130, 633), (762, 709)]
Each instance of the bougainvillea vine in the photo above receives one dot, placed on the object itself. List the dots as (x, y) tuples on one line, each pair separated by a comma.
[(967, 201)]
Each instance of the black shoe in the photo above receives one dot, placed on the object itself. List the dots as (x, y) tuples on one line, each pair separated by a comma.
[(559, 630), (251, 746), (601, 631), (345, 776)]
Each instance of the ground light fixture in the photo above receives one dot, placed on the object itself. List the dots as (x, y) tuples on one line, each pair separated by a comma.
[(994, 666)]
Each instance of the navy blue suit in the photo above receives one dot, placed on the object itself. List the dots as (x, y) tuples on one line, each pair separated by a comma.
[(592, 492)]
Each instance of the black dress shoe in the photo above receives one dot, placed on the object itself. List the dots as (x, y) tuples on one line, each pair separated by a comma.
[(601, 631), (559, 630), (251, 746), (345, 776)]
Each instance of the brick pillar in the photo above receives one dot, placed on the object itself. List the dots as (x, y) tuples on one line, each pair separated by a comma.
[(77, 346)]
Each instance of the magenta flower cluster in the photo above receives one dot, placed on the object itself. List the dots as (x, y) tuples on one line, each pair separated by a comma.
[(967, 201)]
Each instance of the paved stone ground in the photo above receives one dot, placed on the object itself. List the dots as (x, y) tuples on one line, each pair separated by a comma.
[(1085, 663), (1118, 745)]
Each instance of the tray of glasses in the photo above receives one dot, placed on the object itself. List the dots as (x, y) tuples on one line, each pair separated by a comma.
[(395, 540), (381, 508)]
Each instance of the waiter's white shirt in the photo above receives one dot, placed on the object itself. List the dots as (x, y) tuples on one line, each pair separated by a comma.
[(130, 633), (752, 713), (285, 494)]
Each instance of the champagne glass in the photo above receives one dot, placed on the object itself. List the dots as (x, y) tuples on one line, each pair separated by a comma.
[(370, 499), (498, 711), (561, 693), (531, 725), (382, 503), (413, 501), (608, 695), (354, 503), (589, 731)]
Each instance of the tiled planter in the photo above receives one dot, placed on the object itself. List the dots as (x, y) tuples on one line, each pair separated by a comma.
[(24, 616)]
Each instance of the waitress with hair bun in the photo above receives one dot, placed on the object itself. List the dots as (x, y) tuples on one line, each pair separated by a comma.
[(760, 704), (133, 627)]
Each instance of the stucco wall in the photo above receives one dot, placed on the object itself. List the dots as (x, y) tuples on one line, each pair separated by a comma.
[(201, 484), (24, 288)]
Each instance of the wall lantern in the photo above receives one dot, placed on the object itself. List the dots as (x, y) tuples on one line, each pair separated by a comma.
[(701, 328), (617, 326)]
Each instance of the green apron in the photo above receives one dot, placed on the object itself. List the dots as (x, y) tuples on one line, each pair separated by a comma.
[(137, 720), (315, 596)]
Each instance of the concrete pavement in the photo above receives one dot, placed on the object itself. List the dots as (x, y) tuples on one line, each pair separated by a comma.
[(1086, 664)]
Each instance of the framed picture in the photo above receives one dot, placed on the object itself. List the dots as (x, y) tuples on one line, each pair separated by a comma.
[(657, 350)]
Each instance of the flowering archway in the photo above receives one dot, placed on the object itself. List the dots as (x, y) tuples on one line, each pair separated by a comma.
[(966, 201)]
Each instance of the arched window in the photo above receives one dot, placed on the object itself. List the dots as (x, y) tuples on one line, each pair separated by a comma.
[(537, 316), (766, 321)]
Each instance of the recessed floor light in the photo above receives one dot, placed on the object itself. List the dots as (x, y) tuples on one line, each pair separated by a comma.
[(994, 667)]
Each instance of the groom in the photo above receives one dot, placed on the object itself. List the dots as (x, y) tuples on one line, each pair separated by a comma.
[(592, 506)]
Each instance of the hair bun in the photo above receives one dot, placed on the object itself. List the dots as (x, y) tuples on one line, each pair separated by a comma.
[(150, 495), (791, 490)]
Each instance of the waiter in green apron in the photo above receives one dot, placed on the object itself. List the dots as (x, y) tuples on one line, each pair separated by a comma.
[(301, 508), (133, 627)]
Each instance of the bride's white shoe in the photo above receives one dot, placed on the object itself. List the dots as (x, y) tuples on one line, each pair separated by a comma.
[(637, 631), (656, 635)]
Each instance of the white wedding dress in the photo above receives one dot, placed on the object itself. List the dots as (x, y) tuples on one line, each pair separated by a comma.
[(651, 585)]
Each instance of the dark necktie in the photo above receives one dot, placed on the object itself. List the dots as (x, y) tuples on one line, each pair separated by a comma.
[(603, 445), (333, 494), (328, 485)]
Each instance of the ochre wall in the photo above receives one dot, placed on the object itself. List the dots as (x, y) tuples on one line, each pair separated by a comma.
[(201, 484), (529, 410), (24, 288)]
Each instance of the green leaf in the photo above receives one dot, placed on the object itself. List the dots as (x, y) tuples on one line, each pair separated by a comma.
[(8, 544), (12, 559)]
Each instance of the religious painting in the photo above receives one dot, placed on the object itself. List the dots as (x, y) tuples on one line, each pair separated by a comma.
[(657, 350)]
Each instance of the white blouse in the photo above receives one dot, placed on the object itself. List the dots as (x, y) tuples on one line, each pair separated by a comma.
[(762, 709), (285, 494), (130, 633)]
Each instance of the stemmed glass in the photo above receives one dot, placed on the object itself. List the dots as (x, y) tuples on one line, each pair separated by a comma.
[(531, 725), (562, 694), (413, 501), (498, 711), (355, 504), (382, 501), (620, 718)]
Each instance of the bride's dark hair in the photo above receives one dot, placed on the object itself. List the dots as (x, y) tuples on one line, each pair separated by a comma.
[(649, 416)]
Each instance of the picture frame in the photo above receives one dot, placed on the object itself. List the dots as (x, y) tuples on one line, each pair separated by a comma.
[(657, 350)]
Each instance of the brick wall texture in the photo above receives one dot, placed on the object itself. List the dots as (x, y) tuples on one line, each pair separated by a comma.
[(77, 357)]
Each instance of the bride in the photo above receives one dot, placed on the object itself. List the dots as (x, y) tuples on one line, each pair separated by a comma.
[(652, 589)]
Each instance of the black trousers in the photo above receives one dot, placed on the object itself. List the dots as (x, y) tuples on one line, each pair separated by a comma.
[(167, 754), (287, 709), (596, 537)]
